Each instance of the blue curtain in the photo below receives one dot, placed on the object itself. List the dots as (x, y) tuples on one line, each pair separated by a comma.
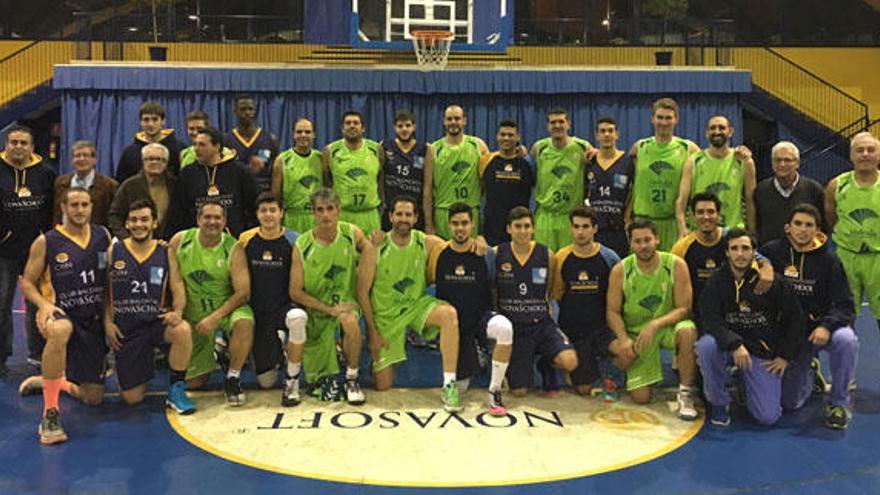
[(103, 107)]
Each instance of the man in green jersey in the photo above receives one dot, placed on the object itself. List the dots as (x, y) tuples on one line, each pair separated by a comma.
[(296, 174), (649, 300), (327, 279), (727, 173), (852, 210), (351, 167), (210, 266), (455, 174), (560, 160), (659, 162), (195, 122), (399, 302)]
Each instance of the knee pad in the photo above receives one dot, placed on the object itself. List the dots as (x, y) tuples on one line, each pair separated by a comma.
[(295, 320), (500, 329), (268, 379)]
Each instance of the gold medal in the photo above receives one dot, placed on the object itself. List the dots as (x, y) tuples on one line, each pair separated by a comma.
[(213, 191), (791, 271), (24, 192)]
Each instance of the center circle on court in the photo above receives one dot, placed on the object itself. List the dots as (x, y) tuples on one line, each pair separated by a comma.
[(404, 438)]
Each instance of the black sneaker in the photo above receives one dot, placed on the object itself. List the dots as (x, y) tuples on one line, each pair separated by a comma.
[(836, 417), (234, 396)]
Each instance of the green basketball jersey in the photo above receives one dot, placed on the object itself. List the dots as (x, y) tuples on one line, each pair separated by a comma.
[(205, 273), (560, 183), (400, 275), (356, 174), (657, 177), (724, 178), (457, 173), (301, 176), (858, 215), (187, 156), (647, 296), (329, 270)]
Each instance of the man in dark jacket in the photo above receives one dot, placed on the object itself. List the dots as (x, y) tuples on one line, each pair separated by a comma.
[(152, 122), (762, 334), (217, 176), (25, 211), (154, 183), (819, 281)]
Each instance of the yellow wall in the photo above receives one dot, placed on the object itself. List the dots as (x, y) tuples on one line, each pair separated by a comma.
[(8, 47), (855, 70)]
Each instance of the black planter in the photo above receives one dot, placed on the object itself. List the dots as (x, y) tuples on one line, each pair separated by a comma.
[(158, 53), (663, 58)]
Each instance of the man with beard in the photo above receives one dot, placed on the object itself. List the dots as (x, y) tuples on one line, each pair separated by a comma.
[(609, 188), (217, 177), (760, 334), (728, 174), (152, 122), (74, 255), (296, 174), (455, 175), (403, 160), (819, 281), (559, 187), (649, 299), (254, 146), (351, 167), (463, 279), (399, 302), (137, 316), (659, 162), (507, 181)]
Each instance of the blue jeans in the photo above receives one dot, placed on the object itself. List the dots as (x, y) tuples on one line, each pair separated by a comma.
[(10, 269)]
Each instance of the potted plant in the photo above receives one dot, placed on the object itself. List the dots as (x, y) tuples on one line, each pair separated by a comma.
[(157, 53), (667, 10)]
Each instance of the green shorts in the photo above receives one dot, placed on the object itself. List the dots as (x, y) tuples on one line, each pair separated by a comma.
[(552, 229), (367, 220), (202, 360), (393, 331), (441, 222), (667, 231), (300, 222), (319, 356), (863, 274), (647, 369)]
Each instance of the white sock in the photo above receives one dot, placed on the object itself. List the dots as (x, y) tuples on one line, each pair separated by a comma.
[(499, 369), (233, 373), (293, 369), (448, 377), (684, 388), (351, 373)]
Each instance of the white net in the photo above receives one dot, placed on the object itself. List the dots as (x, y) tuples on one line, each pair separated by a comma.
[(432, 49)]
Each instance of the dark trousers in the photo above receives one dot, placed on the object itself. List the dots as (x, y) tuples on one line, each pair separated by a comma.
[(10, 269)]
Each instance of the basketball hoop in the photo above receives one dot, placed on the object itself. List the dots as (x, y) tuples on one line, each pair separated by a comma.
[(432, 48)]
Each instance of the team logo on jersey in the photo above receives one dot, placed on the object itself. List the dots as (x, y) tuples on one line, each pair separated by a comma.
[(620, 181), (403, 284), (506, 267), (61, 257), (591, 176), (102, 260), (539, 275), (659, 167), (355, 173), (744, 307), (560, 171), (267, 255), (583, 276), (710, 263), (157, 275), (418, 162), (200, 277), (119, 264), (459, 270), (791, 271), (717, 188), (333, 271), (459, 167), (508, 167), (862, 214), (308, 181), (651, 302)]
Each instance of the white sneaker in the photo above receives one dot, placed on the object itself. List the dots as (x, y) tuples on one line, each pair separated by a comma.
[(353, 393), (290, 396), (686, 409)]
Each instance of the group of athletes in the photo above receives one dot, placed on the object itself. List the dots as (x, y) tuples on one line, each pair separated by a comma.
[(359, 231)]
